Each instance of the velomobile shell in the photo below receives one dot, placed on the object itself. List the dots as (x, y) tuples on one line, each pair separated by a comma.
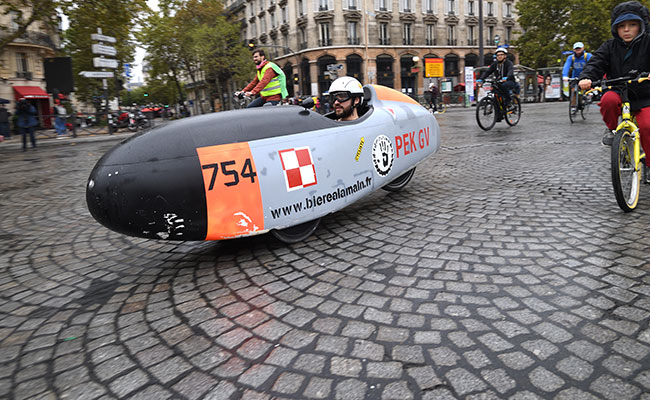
[(244, 172)]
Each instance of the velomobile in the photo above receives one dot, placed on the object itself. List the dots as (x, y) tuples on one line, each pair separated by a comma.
[(246, 172)]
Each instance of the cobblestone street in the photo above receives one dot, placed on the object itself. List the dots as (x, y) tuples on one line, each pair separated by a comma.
[(504, 270)]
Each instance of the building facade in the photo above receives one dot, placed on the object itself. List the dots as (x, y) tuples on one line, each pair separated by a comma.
[(377, 41), (21, 63)]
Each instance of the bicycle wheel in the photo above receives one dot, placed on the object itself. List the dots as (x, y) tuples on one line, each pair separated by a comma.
[(625, 178), (573, 104), (513, 113), (401, 181), (586, 102), (486, 114)]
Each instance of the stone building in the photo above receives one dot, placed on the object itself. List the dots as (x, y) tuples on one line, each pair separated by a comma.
[(21, 63), (377, 41)]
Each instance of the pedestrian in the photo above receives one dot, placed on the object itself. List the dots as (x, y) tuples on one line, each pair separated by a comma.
[(4, 122), (625, 52), (59, 121), (26, 121), (434, 97), (270, 82)]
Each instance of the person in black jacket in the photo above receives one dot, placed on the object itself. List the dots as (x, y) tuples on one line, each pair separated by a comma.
[(503, 70), (627, 51)]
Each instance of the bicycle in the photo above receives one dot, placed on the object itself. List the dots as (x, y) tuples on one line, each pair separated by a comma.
[(491, 108), (240, 100), (579, 100), (627, 157)]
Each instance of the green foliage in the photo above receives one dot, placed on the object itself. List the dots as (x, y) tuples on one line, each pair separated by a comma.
[(552, 26), (116, 18), (195, 37), (26, 13)]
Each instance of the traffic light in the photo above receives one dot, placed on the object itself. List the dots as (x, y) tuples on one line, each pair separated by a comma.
[(295, 78), (146, 94), (251, 44)]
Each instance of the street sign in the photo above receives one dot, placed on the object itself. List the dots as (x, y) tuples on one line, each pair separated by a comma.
[(103, 38), (96, 74), (105, 50), (127, 70), (434, 67), (99, 62)]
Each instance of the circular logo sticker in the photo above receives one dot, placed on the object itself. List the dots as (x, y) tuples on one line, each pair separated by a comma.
[(382, 155)]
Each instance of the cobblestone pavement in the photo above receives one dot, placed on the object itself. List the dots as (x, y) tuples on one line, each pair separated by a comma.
[(504, 270)]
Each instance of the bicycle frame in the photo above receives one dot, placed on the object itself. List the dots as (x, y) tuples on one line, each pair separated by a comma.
[(628, 124)]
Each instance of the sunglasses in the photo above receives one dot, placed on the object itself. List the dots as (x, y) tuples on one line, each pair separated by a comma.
[(340, 96)]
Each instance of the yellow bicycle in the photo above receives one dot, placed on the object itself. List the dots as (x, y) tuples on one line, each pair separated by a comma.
[(628, 164)]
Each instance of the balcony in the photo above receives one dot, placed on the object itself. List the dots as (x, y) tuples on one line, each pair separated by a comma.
[(24, 75), (384, 41), (451, 42), (431, 42), (324, 42), (37, 38), (407, 41), (323, 7), (353, 40), (472, 42), (302, 45)]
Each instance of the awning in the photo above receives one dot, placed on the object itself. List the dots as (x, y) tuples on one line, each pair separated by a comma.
[(30, 92)]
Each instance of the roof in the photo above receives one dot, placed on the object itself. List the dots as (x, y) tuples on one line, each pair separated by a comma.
[(30, 92)]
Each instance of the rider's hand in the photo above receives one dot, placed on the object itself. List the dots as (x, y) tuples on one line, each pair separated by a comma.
[(565, 78), (249, 94), (237, 93), (585, 84)]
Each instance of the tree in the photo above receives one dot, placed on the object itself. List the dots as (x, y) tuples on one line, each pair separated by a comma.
[(117, 19), (25, 13), (552, 26)]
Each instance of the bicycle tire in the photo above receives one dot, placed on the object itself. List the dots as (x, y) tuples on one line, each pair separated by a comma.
[(398, 183), (573, 104), (585, 108), (513, 113), (486, 113), (297, 233), (625, 178)]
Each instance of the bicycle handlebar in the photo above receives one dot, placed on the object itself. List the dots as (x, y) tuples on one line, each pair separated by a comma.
[(625, 80)]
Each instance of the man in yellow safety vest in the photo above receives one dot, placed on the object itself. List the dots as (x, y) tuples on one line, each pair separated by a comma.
[(270, 82)]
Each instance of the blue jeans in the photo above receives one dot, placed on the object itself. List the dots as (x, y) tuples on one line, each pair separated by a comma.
[(24, 132), (259, 102), (59, 124), (506, 88)]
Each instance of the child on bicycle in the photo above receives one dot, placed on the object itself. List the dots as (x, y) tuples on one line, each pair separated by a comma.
[(625, 54), (504, 71)]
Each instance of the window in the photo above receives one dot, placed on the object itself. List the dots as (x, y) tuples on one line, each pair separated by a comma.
[(406, 6), (352, 33), (285, 42), (251, 8), (350, 4), (253, 29), (22, 67), (301, 8), (508, 34), (274, 23), (384, 5), (507, 10), (490, 36), (322, 5), (451, 7), (451, 35), (471, 7), (430, 35), (471, 34), (408, 34), (324, 30), (285, 15), (262, 5), (429, 6), (303, 39), (384, 39), (263, 24), (13, 27), (490, 9)]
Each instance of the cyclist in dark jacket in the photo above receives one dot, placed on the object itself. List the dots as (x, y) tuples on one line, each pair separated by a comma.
[(504, 71), (627, 51)]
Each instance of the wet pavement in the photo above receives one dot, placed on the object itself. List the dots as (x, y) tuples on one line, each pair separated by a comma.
[(504, 270)]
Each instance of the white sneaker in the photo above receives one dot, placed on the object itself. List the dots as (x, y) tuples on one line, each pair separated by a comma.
[(608, 139)]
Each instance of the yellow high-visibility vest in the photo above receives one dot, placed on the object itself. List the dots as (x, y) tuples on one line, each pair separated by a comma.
[(273, 87)]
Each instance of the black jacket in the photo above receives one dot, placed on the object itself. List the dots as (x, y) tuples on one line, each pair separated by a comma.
[(506, 69), (615, 59)]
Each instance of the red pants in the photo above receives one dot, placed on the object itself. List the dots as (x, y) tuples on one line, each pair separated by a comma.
[(610, 109)]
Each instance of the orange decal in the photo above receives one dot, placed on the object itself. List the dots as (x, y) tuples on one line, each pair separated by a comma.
[(232, 191), (386, 93)]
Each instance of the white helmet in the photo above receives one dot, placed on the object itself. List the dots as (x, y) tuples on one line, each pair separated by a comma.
[(347, 84), (502, 49)]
